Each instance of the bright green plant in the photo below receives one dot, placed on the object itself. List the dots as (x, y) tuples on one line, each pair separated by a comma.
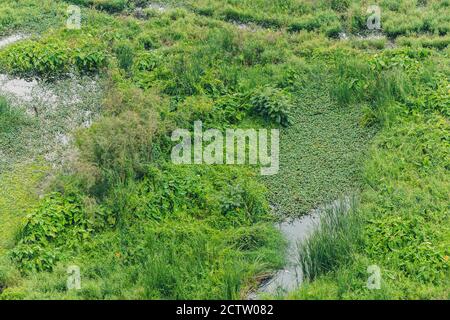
[(51, 59), (58, 222), (273, 104)]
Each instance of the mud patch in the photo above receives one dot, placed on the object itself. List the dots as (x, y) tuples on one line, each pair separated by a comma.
[(54, 111), (144, 13), (368, 36), (12, 39)]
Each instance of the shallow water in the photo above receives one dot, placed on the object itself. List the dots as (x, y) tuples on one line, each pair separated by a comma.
[(295, 231), (55, 109), (291, 277), (25, 90), (11, 39)]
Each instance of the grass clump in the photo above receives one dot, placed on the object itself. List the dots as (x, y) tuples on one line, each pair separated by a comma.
[(11, 121), (333, 243)]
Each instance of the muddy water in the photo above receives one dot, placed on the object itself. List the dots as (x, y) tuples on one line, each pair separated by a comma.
[(25, 90), (390, 43), (10, 40), (295, 232), (291, 276), (55, 108)]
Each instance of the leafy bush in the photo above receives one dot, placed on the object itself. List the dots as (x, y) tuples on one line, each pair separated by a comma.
[(51, 59), (273, 104), (432, 99), (408, 242), (59, 222)]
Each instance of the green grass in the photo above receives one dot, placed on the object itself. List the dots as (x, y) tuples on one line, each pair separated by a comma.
[(333, 243), (141, 228), (31, 16), (12, 122), (403, 224), (155, 239), (19, 193)]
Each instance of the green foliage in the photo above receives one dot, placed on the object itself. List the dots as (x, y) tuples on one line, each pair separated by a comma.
[(104, 161), (408, 242), (404, 204), (176, 235), (437, 42), (325, 21), (273, 104), (11, 120), (332, 244), (432, 99), (58, 222), (340, 5), (159, 231), (18, 190), (125, 55), (51, 58), (30, 16), (173, 190), (322, 138), (107, 5)]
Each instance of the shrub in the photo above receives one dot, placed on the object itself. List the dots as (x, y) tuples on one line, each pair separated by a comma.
[(124, 156), (51, 58), (273, 104), (58, 222), (125, 56)]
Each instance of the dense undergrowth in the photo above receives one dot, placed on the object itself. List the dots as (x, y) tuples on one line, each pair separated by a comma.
[(140, 227), (401, 225)]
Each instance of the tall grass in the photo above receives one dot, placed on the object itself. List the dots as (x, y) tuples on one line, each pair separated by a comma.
[(10, 119), (376, 82), (334, 241)]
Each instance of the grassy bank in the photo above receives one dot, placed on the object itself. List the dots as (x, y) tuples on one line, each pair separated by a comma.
[(140, 227), (402, 223)]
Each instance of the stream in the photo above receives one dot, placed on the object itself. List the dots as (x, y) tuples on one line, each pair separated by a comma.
[(295, 231)]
